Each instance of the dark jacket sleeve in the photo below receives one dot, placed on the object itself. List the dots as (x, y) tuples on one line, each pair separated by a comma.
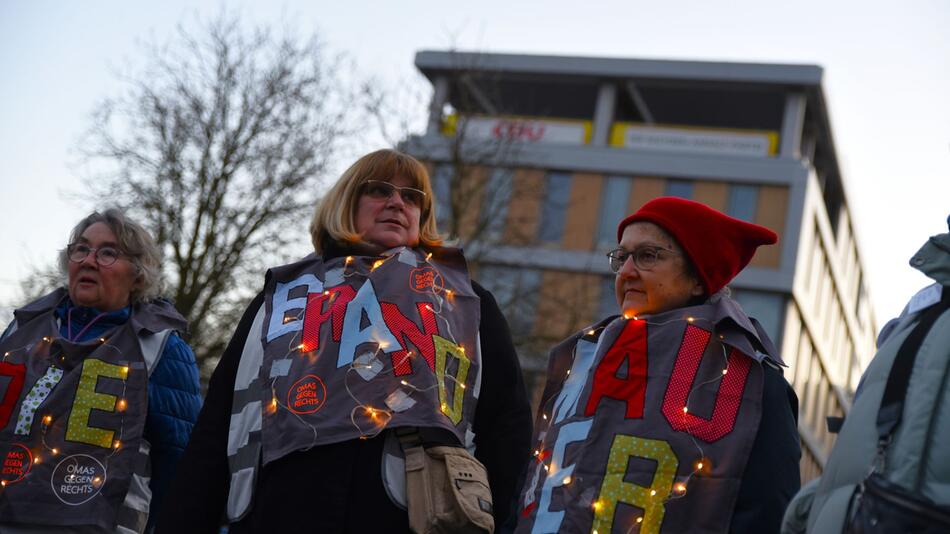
[(772, 476), (199, 491), (503, 417), (174, 399)]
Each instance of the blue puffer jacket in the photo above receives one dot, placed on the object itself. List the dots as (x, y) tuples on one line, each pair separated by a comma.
[(174, 396)]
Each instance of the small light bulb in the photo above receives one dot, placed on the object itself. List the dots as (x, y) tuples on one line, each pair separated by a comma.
[(679, 488), (428, 256), (47, 419), (444, 407), (55, 451), (102, 340), (3, 483), (125, 370), (639, 520), (544, 416), (546, 468), (403, 382), (724, 371), (46, 339), (121, 405), (301, 346), (462, 384), (448, 292), (349, 259), (690, 319), (288, 319), (590, 332), (325, 293), (568, 372), (685, 409), (37, 459), (652, 493), (117, 444), (567, 480), (376, 264), (699, 465), (598, 505)]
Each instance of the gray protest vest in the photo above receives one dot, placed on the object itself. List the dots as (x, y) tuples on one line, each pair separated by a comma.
[(345, 348), (617, 452), (73, 416)]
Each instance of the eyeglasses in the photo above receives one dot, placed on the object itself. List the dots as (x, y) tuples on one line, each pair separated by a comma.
[(644, 258), (105, 256), (380, 190)]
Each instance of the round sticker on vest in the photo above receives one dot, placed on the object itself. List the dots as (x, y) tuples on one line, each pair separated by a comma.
[(17, 461), (307, 395), (425, 280), (77, 479)]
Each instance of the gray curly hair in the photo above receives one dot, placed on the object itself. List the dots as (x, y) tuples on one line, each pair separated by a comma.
[(135, 242)]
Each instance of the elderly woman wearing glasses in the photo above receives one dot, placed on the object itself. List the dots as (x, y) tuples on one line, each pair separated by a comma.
[(357, 379), (672, 416), (100, 392)]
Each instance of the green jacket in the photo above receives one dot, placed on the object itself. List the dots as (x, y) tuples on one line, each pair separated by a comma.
[(916, 458)]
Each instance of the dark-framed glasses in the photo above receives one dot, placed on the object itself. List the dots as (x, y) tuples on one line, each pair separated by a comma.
[(381, 190), (645, 258), (105, 256)]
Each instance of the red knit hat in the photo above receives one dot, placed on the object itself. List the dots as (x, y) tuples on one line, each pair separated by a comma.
[(718, 245)]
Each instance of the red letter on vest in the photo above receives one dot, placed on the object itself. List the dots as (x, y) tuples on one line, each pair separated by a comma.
[(632, 347), (315, 315), (17, 373), (728, 398), (406, 331)]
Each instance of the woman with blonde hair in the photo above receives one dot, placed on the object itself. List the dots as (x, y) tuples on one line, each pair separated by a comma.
[(357, 379)]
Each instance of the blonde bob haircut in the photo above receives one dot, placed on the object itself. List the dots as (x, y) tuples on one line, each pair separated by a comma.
[(335, 216)]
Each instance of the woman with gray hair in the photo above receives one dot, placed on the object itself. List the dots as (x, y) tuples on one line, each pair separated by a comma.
[(100, 390)]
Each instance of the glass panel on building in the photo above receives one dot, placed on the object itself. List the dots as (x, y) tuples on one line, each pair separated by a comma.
[(495, 200), (557, 195), (679, 188), (742, 201), (768, 308), (441, 185), (607, 304), (516, 291), (613, 208)]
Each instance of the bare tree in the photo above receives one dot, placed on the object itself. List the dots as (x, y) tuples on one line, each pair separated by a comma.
[(218, 145)]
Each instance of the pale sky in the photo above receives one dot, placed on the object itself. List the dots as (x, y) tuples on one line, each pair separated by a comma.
[(887, 79)]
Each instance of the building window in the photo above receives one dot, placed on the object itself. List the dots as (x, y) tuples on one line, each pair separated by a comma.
[(613, 208), (607, 304), (742, 201), (516, 291), (442, 187), (679, 188), (767, 308), (495, 200), (557, 194)]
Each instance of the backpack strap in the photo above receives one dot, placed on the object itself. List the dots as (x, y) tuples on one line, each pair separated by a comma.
[(892, 403)]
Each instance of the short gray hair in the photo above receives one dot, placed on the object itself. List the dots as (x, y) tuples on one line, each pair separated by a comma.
[(134, 241)]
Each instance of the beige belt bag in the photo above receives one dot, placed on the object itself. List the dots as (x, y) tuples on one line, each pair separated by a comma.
[(446, 490)]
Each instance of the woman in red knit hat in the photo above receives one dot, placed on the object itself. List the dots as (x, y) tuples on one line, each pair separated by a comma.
[(672, 416)]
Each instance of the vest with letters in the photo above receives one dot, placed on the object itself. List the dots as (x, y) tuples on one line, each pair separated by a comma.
[(72, 416), (345, 348), (646, 424)]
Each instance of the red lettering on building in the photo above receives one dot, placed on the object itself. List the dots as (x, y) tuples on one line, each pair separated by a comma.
[(512, 130), (407, 332), (316, 315), (728, 396), (630, 346)]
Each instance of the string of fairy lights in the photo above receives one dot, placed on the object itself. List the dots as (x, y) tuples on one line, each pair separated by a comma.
[(46, 421), (702, 465), (379, 417)]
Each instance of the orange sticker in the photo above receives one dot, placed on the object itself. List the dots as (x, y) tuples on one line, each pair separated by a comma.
[(307, 395), (425, 280)]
